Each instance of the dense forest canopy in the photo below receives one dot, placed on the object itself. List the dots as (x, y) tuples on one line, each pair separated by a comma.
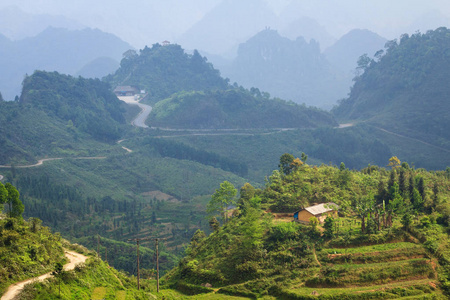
[(235, 108), (87, 104), (164, 70), (405, 88)]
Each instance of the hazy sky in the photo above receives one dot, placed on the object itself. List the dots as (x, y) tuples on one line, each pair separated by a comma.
[(144, 22)]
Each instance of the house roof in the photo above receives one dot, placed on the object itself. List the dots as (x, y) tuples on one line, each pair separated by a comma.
[(125, 88), (322, 208)]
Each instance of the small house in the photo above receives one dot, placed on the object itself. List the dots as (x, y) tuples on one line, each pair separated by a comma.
[(126, 90), (320, 211)]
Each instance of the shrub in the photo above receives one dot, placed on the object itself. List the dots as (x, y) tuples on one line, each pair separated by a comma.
[(237, 290), (192, 289)]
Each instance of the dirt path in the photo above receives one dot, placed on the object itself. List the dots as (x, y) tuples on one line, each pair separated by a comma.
[(124, 148), (14, 289), (315, 257), (41, 161), (345, 125), (413, 139)]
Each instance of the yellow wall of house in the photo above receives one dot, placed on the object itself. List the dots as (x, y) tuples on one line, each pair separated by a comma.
[(304, 216)]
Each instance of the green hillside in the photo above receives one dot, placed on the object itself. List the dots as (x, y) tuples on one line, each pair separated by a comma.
[(237, 108), (405, 89), (27, 249), (164, 70), (86, 104), (389, 241), (59, 116)]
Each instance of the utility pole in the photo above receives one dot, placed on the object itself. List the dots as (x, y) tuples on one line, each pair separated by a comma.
[(157, 262), (157, 258), (98, 244), (137, 255), (157, 266)]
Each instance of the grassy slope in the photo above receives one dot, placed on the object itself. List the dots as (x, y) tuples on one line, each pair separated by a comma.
[(234, 108), (26, 252)]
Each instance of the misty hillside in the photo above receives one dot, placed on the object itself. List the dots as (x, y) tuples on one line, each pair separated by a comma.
[(309, 29), (54, 49), (17, 24), (226, 25), (345, 52), (99, 67), (406, 91), (291, 70)]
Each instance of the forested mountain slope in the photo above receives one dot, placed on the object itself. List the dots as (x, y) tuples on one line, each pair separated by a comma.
[(58, 114), (405, 90), (164, 70), (235, 108)]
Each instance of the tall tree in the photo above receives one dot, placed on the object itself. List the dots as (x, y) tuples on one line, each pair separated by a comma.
[(3, 196), (421, 187), (411, 185), (402, 182), (221, 199), (394, 162), (363, 206), (285, 163), (15, 206)]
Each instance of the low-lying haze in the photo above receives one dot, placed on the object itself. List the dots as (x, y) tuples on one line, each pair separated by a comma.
[(141, 23)]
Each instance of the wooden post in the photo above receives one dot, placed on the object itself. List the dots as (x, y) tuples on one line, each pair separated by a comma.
[(137, 259), (157, 266), (137, 243)]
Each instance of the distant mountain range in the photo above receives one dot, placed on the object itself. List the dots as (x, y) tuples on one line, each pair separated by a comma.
[(297, 70), (219, 33), (17, 24), (57, 49), (345, 52)]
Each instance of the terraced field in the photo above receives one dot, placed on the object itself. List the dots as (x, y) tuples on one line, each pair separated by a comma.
[(387, 271)]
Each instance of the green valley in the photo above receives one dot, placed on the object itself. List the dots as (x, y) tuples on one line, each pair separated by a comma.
[(81, 168)]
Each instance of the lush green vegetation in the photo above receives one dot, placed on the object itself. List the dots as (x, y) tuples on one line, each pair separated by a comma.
[(168, 148), (236, 108), (27, 249), (323, 145), (124, 197), (86, 104), (404, 89), (164, 70), (373, 249), (162, 188), (92, 280), (59, 116)]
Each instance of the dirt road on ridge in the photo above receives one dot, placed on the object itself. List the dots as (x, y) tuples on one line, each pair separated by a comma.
[(14, 289)]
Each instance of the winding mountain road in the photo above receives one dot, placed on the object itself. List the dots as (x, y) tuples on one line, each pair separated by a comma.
[(14, 289), (41, 161), (139, 121)]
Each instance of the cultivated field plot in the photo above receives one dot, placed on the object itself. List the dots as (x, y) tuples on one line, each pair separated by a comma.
[(384, 271)]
